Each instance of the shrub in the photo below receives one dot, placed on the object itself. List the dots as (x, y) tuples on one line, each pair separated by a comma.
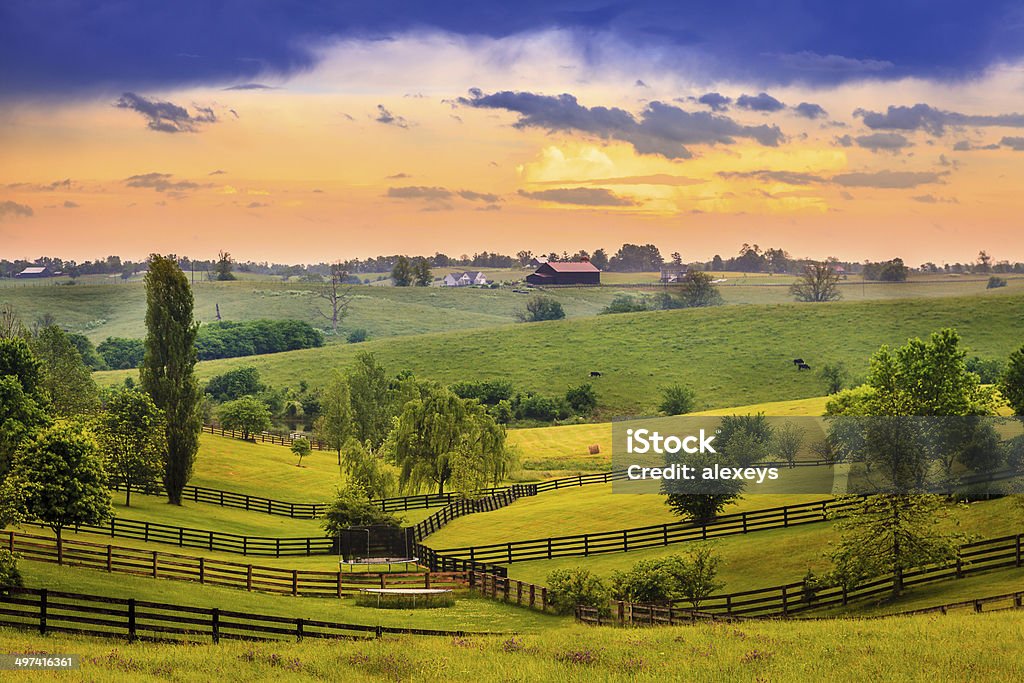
[(357, 336), (488, 392), (235, 384), (625, 303), (544, 408), (677, 400), (540, 308), (995, 282), (582, 399), (121, 354), (989, 370), (10, 577), (230, 339), (690, 577), (351, 507), (568, 588)]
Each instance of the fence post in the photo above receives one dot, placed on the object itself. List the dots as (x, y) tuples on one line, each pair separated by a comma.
[(298, 629), (10, 544), (508, 583), (785, 606), (202, 570), (154, 564), (1018, 550), (110, 559), (145, 532), (533, 595), (42, 612), (131, 620), (785, 516), (295, 582), (959, 566), (543, 598), (744, 522), (215, 625), (625, 541), (248, 577)]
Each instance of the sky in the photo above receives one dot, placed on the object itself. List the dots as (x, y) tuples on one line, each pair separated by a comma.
[(324, 130)]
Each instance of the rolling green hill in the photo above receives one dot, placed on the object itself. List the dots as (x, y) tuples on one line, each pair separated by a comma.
[(730, 355)]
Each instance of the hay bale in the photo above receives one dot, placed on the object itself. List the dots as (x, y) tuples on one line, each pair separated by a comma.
[(594, 449)]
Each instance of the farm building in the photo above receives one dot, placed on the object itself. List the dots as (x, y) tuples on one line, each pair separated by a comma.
[(538, 261), (464, 279), (672, 272), (41, 271), (566, 273)]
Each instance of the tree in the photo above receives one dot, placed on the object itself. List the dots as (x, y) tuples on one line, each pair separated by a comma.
[(1011, 384), (167, 369), (87, 351), (625, 303), (225, 264), (22, 401), (442, 437), (121, 354), (301, 448), (336, 425), (995, 282), (60, 480), (697, 574), (700, 500), (421, 274), (677, 400), (351, 507), (818, 282), (599, 259), (248, 415), (582, 399), (65, 379), (698, 291), (787, 441), (834, 376), (367, 470), (540, 308), (131, 436), (337, 296), (691, 577), (890, 534), (370, 400), (233, 384), (402, 273)]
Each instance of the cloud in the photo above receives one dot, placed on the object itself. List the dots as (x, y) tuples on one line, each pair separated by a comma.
[(655, 179), (760, 102), (661, 129), (41, 187), (787, 177), (161, 182), (932, 199), (891, 180), (472, 196), (844, 140), (398, 176), (217, 172), (166, 117), (716, 101), (580, 196), (386, 117), (9, 208), (832, 65), (883, 142), (251, 86), (1014, 143), (934, 121), (68, 204), (809, 110), (256, 205), (419, 192), (640, 84)]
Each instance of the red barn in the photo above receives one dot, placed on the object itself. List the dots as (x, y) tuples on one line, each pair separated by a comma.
[(566, 273)]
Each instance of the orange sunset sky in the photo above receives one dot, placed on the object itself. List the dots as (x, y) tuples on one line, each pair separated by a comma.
[(380, 147)]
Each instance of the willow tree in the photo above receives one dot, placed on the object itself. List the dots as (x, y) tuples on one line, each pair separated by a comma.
[(167, 372), (441, 439)]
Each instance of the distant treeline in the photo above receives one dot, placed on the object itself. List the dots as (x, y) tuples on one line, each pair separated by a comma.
[(215, 340), (751, 258)]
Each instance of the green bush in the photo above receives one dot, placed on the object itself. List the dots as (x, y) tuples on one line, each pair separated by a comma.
[(10, 577), (582, 399), (568, 588), (357, 336), (488, 392), (625, 303), (121, 354), (995, 282), (351, 507), (677, 400), (540, 308)]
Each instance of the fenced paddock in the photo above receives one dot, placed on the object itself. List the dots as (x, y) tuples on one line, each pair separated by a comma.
[(49, 611), (277, 580)]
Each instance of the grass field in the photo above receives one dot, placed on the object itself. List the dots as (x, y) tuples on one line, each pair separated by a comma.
[(731, 355), (955, 647), (767, 558)]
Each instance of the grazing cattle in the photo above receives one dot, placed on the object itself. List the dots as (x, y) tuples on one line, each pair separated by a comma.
[(803, 366), (595, 373), (798, 361)]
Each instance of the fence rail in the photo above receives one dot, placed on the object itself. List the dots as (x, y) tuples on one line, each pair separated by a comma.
[(624, 540), (154, 564), (184, 537), (508, 590), (794, 598), (50, 611)]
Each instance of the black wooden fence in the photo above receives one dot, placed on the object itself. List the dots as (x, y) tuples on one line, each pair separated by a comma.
[(49, 611), (795, 598), (624, 540)]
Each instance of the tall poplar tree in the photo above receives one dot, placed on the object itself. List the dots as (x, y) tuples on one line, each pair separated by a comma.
[(167, 369)]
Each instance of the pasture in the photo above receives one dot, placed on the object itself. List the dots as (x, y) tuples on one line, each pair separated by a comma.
[(730, 355)]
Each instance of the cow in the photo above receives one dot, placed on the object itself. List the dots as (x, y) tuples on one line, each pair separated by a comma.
[(798, 361), (595, 373), (803, 366)]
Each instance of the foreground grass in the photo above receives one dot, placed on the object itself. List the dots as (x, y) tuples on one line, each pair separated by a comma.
[(470, 612), (954, 647), (731, 355)]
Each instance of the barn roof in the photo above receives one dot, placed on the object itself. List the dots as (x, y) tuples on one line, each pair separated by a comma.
[(33, 271), (572, 266)]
